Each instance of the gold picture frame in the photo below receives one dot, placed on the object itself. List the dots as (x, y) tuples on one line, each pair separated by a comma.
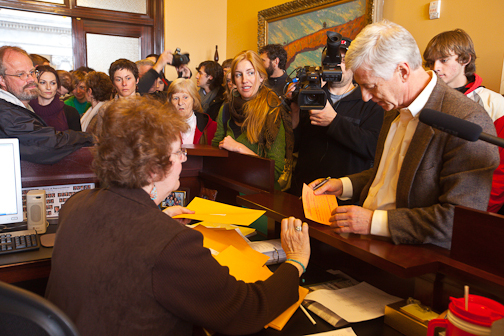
[(308, 12)]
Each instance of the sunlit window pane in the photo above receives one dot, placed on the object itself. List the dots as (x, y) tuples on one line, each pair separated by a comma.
[(102, 50), (53, 1), (131, 6), (47, 35)]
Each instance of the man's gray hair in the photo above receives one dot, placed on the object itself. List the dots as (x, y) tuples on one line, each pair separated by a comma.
[(3, 50), (144, 62), (380, 47)]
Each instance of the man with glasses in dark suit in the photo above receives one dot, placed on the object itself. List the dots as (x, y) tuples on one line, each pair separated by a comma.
[(38, 142)]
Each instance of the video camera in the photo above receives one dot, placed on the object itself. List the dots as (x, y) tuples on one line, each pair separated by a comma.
[(179, 59), (309, 93)]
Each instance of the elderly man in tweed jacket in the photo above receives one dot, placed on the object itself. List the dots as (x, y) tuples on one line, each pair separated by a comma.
[(420, 173)]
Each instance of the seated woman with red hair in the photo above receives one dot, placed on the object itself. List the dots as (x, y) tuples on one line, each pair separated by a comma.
[(120, 266)]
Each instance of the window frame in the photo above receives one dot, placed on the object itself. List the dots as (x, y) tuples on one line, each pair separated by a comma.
[(149, 27)]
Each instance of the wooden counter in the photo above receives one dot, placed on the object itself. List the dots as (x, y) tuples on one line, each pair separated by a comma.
[(229, 173), (427, 272), (446, 274)]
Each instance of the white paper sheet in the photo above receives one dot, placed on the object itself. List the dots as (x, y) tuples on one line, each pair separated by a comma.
[(339, 332), (358, 303), (272, 248)]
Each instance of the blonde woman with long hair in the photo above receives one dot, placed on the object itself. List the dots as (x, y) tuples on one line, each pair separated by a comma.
[(254, 120)]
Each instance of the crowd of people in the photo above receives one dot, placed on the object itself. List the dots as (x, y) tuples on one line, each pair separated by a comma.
[(246, 105), (394, 176)]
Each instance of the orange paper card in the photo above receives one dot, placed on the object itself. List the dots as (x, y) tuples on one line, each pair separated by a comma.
[(282, 320), (220, 239), (318, 208)]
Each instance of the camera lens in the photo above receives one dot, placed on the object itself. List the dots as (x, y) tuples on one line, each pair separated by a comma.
[(310, 99)]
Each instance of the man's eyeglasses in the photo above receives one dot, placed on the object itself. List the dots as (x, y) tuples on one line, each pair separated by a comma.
[(181, 153), (24, 76)]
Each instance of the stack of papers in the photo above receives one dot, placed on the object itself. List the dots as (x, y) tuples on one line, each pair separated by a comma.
[(244, 263), (218, 215), (339, 332), (242, 230), (231, 249), (271, 248), (358, 303), (341, 280), (215, 212)]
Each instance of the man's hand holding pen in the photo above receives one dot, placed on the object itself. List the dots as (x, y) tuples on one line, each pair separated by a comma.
[(331, 187), (346, 218)]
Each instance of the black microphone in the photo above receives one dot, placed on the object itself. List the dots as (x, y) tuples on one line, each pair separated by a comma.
[(444, 122), (458, 127)]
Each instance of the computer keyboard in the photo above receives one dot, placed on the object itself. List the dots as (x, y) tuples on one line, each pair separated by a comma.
[(19, 241)]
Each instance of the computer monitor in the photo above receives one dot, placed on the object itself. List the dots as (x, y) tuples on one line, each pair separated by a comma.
[(11, 203)]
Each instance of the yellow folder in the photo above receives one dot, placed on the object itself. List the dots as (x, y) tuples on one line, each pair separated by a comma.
[(244, 263), (215, 212)]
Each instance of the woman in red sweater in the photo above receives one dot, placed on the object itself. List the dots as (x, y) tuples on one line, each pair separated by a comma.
[(184, 97)]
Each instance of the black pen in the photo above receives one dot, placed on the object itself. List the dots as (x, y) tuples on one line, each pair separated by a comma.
[(319, 185), (322, 183)]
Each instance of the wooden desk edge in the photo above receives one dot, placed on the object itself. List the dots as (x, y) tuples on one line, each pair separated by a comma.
[(319, 232), (230, 183), (205, 150), (28, 270), (438, 260)]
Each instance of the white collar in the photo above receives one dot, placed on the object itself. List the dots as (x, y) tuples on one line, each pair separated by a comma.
[(191, 118), (6, 95), (188, 137), (418, 104)]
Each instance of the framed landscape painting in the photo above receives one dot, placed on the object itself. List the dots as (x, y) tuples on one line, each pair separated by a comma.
[(301, 26)]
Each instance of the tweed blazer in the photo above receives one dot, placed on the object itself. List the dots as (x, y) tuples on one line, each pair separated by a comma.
[(439, 171)]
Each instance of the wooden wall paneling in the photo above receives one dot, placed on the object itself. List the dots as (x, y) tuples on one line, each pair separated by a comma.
[(254, 173), (78, 43), (147, 41), (150, 26), (425, 288), (74, 168), (329, 257), (37, 6), (189, 180), (82, 12), (475, 235), (27, 270), (111, 28), (156, 10)]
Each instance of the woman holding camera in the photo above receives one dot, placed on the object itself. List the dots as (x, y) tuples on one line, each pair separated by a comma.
[(254, 121), (153, 82)]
